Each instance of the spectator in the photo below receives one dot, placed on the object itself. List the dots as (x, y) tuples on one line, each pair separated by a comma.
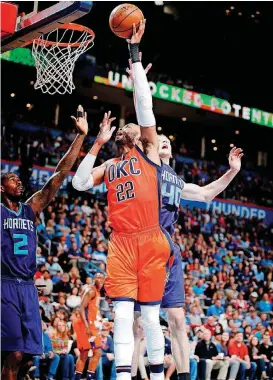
[(194, 317), (74, 254), (238, 351), (253, 318), (216, 309), (253, 296), (63, 285), (247, 332), (48, 356), (45, 283), (43, 316), (233, 364), (266, 350), (264, 320), (46, 304), (60, 346), (199, 288), (265, 305), (99, 254), (211, 325), (107, 361), (74, 300), (86, 209), (253, 350), (207, 350), (53, 266)]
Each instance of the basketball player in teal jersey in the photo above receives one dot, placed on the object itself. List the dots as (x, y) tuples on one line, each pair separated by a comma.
[(21, 331)]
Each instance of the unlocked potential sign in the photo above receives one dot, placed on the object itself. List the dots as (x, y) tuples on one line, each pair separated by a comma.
[(192, 99)]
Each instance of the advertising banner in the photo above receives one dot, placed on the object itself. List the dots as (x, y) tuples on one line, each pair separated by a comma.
[(189, 98)]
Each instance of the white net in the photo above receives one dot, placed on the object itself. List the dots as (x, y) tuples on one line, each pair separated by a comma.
[(55, 55)]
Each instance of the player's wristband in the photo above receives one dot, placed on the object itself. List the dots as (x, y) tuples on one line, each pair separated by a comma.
[(134, 52)]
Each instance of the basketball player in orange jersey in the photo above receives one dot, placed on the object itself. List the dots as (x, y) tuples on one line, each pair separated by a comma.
[(86, 329), (138, 248), (174, 188)]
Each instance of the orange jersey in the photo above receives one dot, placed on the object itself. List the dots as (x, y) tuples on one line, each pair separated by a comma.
[(93, 307), (93, 314), (134, 184)]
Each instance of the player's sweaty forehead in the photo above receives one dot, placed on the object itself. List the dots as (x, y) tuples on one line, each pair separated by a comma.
[(10, 176), (130, 126)]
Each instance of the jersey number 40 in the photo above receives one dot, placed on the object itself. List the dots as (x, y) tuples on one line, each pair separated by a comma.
[(174, 194)]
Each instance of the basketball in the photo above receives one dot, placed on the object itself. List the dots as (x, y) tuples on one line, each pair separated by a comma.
[(123, 17)]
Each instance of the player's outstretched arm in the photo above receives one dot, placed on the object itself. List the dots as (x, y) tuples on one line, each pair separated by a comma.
[(143, 97), (40, 200), (209, 192), (86, 176)]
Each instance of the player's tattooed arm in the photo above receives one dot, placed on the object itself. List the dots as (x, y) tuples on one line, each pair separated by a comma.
[(42, 198), (91, 294), (86, 176)]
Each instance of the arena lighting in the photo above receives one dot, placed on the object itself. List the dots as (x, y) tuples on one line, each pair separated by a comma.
[(227, 11), (28, 105), (231, 145), (184, 119), (213, 141), (160, 3), (258, 12), (171, 137), (252, 16), (159, 128), (95, 97), (31, 83), (240, 14), (237, 132), (215, 148), (12, 95), (232, 8)]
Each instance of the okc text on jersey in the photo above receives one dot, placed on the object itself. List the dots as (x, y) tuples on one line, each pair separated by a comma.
[(123, 168)]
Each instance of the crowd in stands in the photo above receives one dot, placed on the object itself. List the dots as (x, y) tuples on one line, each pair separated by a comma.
[(47, 149), (228, 264)]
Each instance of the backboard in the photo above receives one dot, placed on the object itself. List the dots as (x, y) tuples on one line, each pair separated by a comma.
[(32, 25)]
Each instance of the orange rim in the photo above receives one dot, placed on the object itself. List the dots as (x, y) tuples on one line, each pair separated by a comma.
[(71, 26)]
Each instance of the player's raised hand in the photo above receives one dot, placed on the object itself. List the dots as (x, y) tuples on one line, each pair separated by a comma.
[(234, 158), (137, 35), (106, 130), (129, 69), (81, 121)]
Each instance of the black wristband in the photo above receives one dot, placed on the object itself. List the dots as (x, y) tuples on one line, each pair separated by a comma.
[(134, 52), (79, 114)]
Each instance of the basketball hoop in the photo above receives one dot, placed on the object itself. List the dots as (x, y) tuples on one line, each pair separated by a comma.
[(55, 55)]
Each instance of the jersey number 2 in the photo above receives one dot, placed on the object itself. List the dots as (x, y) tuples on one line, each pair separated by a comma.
[(125, 191), (22, 243)]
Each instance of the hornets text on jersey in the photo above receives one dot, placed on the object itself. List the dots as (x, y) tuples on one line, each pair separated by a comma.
[(18, 242)]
